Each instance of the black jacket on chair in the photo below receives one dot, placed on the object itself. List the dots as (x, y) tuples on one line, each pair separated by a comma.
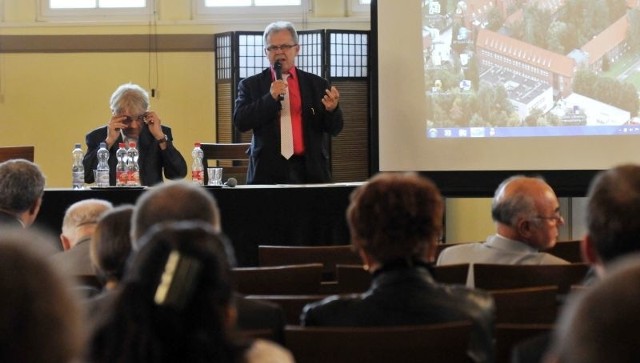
[(406, 294), (152, 161), (256, 110)]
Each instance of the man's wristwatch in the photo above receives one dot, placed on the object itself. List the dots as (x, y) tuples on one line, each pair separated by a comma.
[(163, 140)]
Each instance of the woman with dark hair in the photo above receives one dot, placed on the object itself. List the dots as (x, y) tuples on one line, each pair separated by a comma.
[(175, 304)]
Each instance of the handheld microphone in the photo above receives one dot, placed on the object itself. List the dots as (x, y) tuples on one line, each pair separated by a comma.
[(231, 182), (277, 67)]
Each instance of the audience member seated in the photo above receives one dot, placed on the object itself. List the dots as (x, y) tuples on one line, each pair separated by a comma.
[(600, 324), (39, 315), (613, 232), (395, 221), (21, 190), (613, 226), (526, 212), (110, 248), (185, 201), (78, 224), (175, 304)]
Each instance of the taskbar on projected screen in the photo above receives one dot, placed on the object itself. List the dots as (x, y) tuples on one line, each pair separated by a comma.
[(480, 132)]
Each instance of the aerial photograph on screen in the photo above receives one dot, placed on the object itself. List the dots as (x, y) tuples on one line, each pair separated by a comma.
[(518, 68)]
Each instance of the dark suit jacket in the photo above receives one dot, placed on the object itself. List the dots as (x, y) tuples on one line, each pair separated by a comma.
[(152, 159), (401, 295), (256, 110)]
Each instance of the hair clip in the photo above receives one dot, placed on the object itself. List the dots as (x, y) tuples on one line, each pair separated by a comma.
[(178, 281)]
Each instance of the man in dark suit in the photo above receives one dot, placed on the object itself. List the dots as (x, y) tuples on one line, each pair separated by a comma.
[(266, 99), (132, 121), (21, 190)]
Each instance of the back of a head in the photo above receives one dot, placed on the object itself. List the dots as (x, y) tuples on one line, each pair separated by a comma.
[(395, 215), (514, 198), (21, 185), (39, 315), (600, 325), (171, 304), (111, 243), (84, 214), (612, 212), (173, 201)]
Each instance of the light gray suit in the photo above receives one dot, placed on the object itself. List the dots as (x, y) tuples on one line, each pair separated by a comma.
[(499, 250)]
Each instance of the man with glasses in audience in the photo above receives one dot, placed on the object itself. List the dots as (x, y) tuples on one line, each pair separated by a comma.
[(292, 114), (133, 121), (526, 212)]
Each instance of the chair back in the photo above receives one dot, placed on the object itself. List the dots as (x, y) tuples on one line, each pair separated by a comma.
[(451, 274), (233, 158), (278, 280), (567, 250), (16, 152), (291, 304), (328, 256), (528, 305), (352, 279), (446, 343), (496, 277)]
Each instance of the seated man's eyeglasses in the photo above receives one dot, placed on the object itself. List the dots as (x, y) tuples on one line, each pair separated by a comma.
[(283, 47), (556, 217)]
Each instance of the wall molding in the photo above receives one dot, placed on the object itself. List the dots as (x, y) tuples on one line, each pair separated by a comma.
[(106, 43)]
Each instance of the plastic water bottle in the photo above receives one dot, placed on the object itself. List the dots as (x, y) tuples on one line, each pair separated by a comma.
[(102, 171), (133, 169), (122, 176), (197, 169), (77, 170)]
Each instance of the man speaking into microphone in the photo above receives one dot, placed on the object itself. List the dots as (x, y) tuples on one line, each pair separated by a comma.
[(292, 113)]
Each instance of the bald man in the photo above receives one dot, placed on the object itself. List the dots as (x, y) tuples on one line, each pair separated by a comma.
[(526, 213), (78, 225)]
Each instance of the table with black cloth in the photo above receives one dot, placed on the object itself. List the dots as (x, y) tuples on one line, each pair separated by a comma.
[(289, 215)]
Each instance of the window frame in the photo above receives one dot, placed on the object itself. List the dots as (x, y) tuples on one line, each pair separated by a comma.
[(250, 14), (46, 13)]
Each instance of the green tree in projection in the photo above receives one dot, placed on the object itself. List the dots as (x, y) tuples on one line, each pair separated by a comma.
[(606, 90), (598, 14), (584, 83), (617, 9), (494, 19), (559, 38), (634, 29), (629, 98), (472, 72), (537, 21)]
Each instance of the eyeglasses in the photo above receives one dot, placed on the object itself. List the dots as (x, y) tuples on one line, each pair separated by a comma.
[(556, 217), (283, 47)]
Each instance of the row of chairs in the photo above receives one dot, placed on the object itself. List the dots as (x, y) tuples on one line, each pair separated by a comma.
[(307, 278)]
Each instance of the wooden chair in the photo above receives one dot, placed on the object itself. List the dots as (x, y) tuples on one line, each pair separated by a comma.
[(507, 336), (496, 277), (278, 280), (233, 158), (16, 152), (352, 279), (435, 343), (329, 256), (528, 305), (567, 250), (451, 274), (291, 304)]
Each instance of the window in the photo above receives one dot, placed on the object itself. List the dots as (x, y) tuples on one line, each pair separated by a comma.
[(96, 4), (91, 10), (236, 3), (226, 11)]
